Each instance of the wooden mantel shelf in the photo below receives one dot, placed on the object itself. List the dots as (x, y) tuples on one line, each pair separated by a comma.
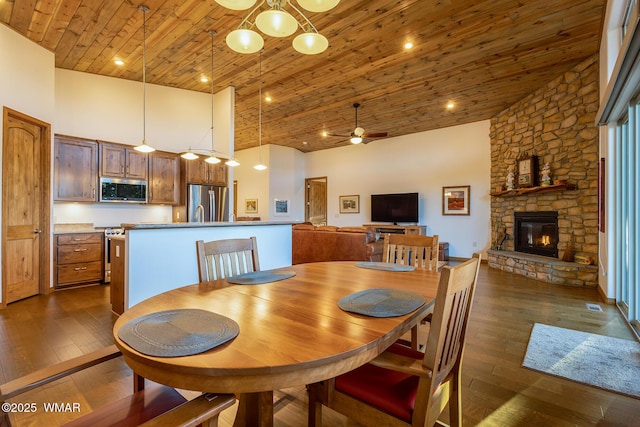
[(538, 189)]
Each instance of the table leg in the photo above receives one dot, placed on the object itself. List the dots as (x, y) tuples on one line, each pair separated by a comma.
[(255, 410)]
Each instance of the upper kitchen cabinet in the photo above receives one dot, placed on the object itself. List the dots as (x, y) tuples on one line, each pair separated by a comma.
[(75, 169), (201, 172), (119, 161), (164, 178)]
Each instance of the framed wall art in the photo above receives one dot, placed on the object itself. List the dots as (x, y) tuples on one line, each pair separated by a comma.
[(281, 207), (455, 200), (251, 205), (350, 204)]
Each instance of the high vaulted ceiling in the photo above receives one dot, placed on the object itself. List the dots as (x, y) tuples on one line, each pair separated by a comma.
[(483, 55)]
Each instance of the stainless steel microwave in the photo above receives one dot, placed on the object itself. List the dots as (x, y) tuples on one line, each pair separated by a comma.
[(123, 190)]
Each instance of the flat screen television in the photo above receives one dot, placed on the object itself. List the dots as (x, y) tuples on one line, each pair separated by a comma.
[(399, 207)]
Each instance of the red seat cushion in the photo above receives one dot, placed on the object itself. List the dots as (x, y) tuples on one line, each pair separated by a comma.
[(391, 391)]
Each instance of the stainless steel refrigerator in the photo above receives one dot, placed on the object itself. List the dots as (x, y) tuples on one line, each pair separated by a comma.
[(207, 203)]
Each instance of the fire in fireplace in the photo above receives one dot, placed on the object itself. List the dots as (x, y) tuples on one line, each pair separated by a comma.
[(536, 233)]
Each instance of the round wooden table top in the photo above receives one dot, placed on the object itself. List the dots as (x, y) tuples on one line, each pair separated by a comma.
[(292, 331)]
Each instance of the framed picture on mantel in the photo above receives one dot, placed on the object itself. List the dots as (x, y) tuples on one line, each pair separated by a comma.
[(455, 200)]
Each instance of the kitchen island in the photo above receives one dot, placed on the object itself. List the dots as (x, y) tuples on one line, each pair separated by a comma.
[(157, 258)]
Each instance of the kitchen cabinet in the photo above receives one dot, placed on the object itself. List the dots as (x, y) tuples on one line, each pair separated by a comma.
[(164, 178), (75, 175), (78, 259), (120, 161), (201, 172)]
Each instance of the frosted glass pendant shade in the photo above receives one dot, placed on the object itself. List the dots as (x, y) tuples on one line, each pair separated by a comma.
[(237, 4), (189, 155), (144, 148), (244, 41), (276, 23), (212, 159), (260, 167), (317, 5), (310, 43)]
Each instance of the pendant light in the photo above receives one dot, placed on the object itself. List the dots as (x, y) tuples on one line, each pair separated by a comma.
[(144, 147), (260, 166), (212, 157)]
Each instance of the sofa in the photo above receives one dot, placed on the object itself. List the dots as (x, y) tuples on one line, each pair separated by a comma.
[(330, 243)]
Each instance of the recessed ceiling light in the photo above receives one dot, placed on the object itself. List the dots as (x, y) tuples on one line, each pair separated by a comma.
[(325, 133), (408, 45), (450, 105), (118, 62), (204, 79), (267, 98)]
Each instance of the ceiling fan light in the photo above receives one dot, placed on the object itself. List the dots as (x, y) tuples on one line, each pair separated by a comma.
[(236, 4), (355, 139), (358, 131), (317, 5), (244, 40), (276, 23), (310, 43)]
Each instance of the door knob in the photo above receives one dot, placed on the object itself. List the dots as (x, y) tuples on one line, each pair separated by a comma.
[(37, 231)]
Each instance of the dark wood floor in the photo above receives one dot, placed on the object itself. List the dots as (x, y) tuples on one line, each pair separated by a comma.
[(497, 391)]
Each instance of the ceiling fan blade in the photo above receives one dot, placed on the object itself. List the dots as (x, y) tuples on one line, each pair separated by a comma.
[(375, 135), (338, 135)]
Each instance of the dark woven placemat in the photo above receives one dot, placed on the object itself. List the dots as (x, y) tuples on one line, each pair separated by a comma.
[(382, 302), (260, 277), (386, 266), (181, 332)]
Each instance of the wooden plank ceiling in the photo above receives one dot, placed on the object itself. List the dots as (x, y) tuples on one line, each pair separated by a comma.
[(483, 55)]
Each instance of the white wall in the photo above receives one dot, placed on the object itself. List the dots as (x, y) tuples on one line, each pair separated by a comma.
[(26, 81), (110, 109), (284, 179), (422, 162)]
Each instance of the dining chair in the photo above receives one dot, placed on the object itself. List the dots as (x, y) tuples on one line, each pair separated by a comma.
[(156, 405), (410, 249), (404, 387), (225, 258)]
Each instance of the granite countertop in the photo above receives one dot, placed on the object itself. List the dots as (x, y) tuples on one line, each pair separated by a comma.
[(75, 228), (151, 226)]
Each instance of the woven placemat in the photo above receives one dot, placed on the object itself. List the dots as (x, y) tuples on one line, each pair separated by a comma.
[(260, 277), (382, 302), (386, 266), (180, 332)]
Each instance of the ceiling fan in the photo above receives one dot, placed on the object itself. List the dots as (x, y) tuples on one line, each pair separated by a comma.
[(358, 134)]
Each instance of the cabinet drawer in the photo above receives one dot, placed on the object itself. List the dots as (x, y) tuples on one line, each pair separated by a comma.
[(74, 239), (71, 254), (79, 273)]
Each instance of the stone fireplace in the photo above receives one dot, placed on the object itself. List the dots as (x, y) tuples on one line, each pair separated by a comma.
[(557, 124), (536, 233)]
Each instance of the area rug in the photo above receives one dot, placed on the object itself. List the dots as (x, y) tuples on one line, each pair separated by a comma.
[(609, 363)]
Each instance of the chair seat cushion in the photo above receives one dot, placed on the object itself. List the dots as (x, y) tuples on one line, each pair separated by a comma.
[(391, 391)]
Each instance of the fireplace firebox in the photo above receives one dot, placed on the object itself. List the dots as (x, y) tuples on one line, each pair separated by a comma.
[(536, 233)]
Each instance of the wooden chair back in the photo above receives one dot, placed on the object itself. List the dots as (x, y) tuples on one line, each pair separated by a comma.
[(411, 249), (154, 406), (437, 372), (225, 258)]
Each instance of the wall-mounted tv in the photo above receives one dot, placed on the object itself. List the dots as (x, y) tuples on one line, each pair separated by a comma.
[(399, 207)]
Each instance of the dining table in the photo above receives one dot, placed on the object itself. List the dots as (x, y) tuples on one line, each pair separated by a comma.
[(292, 332)]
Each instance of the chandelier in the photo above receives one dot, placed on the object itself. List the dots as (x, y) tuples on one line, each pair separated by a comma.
[(274, 18)]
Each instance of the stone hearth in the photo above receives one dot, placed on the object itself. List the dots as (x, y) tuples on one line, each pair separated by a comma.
[(543, 268)]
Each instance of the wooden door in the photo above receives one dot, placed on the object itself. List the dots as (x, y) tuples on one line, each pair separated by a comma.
[(137, 164), (112, 160), (25, 206), (316, 200)]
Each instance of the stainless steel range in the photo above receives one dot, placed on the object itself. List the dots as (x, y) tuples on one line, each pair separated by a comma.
[(108, 233)]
